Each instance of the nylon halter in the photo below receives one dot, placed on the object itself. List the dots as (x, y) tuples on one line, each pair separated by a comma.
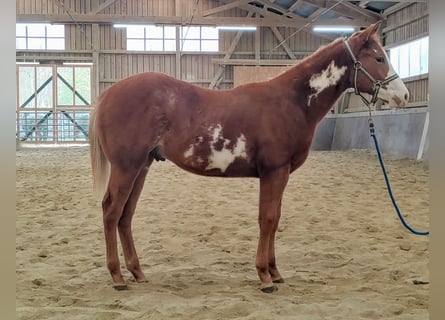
[(376, 84)]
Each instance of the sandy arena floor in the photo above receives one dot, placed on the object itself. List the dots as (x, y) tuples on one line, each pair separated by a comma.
[(340, 246)]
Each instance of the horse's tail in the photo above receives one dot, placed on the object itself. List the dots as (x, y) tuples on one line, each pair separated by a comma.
[(99, 162)]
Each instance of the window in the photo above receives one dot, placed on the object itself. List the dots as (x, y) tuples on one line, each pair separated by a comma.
[(40, 36), (203, 39), (151, 38), (163, 38), (410, 59), (54, 103)]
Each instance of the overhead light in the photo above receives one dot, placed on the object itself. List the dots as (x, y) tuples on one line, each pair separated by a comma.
[(27, 62), (78, 63), (236, 28), (119, 25), (334, 29)]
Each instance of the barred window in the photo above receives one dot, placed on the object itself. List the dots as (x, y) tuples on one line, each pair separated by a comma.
[(163, 38), (40, 36), (410, 59), (202, 39), (151, 38)]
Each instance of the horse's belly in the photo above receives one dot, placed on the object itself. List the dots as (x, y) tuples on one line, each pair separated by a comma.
[(220, 162)]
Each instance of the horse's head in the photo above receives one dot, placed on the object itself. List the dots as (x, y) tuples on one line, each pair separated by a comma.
[(373, 72)]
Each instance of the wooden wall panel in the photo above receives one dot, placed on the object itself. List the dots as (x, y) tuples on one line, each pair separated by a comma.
[(247, 74), (407, 24), (418, 90)]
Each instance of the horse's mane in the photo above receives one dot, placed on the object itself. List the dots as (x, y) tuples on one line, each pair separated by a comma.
[(374, 37)]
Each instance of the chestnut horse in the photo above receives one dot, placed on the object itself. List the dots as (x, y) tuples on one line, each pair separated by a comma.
[(261, 130)]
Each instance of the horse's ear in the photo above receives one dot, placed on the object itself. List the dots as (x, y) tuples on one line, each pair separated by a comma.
[(370, 31)]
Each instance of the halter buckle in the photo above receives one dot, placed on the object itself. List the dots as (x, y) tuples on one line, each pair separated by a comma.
[(377, 84), (358, 65)]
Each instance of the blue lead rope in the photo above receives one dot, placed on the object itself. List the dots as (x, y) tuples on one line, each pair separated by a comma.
[(388, 186)]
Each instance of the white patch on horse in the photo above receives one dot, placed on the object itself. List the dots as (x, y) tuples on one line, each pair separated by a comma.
[(221, 159), (395, 92), (326, 78), (190, 151)]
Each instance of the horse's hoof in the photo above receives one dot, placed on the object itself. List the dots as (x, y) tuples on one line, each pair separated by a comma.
[(281, 280), (120, 287), (141, 280), (269, 289)]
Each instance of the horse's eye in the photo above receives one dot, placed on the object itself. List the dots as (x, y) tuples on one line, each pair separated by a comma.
[(380, 59)]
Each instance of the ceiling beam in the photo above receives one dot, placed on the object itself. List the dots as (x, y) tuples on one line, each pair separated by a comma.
[(219, 72), (345, 11), (395, 8), (285, 13), (295, 5), (261, 62), (283, 43), (316, 13), (361, 11), (102, 6), (222, 8), (178, 20)]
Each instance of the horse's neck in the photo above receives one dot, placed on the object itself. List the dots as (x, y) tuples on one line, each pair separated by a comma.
[(319, 80)]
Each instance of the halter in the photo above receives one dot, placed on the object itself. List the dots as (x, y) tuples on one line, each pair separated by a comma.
[(376, 84)]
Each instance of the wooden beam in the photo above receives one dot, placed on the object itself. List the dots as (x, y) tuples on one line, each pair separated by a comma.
[(252, 62), (66, 9), (178, 62), (406, 22), (230, 50), (102, 6), (295, 6), (316, 13), (269, 4), (397, 7), (95, 45), (283, 42), (178, 20), (258, 44), (363, 4), (59, 58), (361, 11), (222, 8), (345, 11)]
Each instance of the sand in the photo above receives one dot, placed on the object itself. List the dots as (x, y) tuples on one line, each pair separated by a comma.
[(340, 246)]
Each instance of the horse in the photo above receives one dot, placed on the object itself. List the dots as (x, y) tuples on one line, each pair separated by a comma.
[(262, 130)]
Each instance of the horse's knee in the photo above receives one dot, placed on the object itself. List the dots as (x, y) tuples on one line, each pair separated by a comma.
[(267, 225)]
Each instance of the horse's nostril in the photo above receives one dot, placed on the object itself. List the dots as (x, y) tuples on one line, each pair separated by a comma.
[(406, 96)]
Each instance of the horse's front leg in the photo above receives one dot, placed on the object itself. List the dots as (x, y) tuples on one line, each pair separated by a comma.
[(273, 269), (272, 186)]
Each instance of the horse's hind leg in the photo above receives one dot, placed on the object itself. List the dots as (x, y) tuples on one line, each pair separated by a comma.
[(118, 191), (124, 226)]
